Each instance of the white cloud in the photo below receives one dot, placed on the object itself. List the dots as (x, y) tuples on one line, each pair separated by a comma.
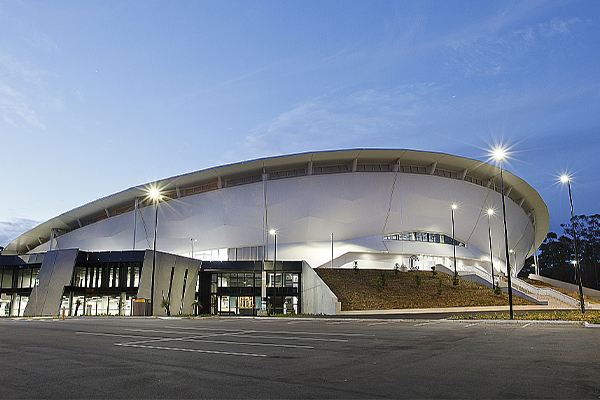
[(9, 121), (495, 52), (363, 118), (11, 229), (13, 102), (557, 27)]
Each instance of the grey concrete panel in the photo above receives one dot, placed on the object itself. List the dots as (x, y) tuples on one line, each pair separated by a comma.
[(316, 296), (55, 273), (162, 277), (146, 276), (164, 263), (190, 289)]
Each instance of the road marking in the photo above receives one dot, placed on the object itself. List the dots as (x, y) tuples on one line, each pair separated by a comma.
[(248, 334), (289, 338), (476, 323), (189, 339), (277, 332), (226, 353), (431, 322), (382, 323), (526, 325), (112, 334), (291, 346)]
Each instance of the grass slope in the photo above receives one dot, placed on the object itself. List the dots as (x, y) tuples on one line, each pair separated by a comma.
[(387, 289)]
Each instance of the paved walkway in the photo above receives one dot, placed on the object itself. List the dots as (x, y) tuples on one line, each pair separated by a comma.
[(459, 310)]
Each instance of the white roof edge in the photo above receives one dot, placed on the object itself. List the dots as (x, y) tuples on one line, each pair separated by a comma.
[(18, 245)]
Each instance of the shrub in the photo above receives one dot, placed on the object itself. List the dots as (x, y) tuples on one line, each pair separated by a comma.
[(418, 279), (381, 283)]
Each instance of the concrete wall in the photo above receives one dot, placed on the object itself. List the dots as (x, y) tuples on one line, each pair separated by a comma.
[(165, 263), (55, 273), (316, 296)]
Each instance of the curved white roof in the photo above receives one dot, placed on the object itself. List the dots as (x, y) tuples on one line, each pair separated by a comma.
[(280, 167)]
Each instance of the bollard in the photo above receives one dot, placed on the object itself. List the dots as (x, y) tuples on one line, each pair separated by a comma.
[(63, 314)]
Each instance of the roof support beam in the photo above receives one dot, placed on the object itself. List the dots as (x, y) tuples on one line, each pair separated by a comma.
[(489, 183), (178, 192), (220, 183), (309, 168), (354, 164), (396, 166), (39, 240), (463, 174), (431, 168), (507, 191), (107, 213), (521, 202), (79, 223)]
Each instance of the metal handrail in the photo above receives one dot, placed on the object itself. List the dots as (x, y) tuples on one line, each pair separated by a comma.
[(534, 290)]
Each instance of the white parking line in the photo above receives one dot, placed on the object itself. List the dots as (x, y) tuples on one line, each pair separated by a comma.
[(226, 353), (288, 338), (382, 323), (277, 332), (431, 322), (526, 325), (246, 334), (198, 339)]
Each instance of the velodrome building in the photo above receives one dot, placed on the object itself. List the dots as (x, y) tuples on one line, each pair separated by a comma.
[(245, 238)]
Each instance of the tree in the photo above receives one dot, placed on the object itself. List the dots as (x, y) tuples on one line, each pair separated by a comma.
[(166, 305), (556, 254), (587, 229), (555, 258), (196, 306)]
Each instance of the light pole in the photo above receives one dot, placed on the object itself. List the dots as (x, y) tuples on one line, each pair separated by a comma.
[(567, 179), (455, 282), (499, 155), (490, 212), (274, 233), (155, 195), (331, 250)]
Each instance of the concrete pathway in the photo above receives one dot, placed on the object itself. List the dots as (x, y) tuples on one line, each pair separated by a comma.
[(458, 310)]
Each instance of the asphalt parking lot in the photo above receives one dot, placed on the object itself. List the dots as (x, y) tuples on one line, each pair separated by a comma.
[(296, 358)]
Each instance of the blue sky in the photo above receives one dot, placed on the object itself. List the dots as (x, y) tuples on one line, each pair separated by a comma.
[(96, 96)]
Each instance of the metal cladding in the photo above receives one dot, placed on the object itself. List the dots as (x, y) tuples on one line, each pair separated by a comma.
[(371, 200)]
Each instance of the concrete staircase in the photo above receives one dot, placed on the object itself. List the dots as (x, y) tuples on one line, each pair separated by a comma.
[(553, 298)]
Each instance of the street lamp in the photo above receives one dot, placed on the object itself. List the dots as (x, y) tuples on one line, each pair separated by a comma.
[(331, 250), (455, 282), (567, 179), (274, 233), (499, 154), (490, 212), (193, 240), (155, 195)]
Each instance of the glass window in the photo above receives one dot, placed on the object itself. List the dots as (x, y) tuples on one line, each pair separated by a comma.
[(7, 278), (77, 276), (248, 280)]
